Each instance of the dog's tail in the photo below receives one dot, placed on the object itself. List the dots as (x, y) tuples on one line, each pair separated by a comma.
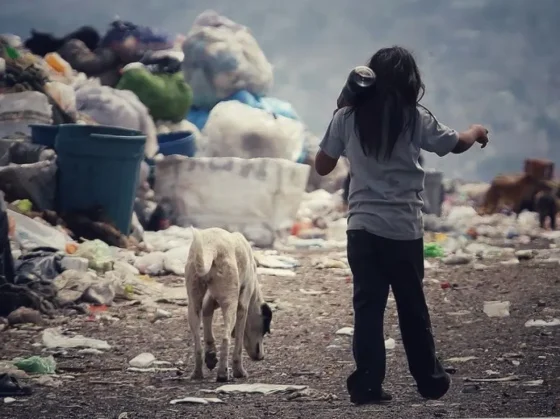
[(202, 256)]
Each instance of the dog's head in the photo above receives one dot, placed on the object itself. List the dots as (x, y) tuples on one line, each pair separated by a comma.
[(258, 325)]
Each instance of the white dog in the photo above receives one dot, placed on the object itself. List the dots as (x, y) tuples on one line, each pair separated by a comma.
[(221, 272)]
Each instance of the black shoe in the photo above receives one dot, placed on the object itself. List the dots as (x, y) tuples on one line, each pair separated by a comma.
[(371, 397), (436, 392)]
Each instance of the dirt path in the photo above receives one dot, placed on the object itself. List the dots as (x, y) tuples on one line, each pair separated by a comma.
[(304, 349)]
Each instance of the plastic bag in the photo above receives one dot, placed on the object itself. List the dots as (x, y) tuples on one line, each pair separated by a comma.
[(32, 234), (237, 130), (166, 96), (221, 58), (19, 110), (120, 108), (37, 364), (198, 117), (98, 253), (42, 264), (62, 94)]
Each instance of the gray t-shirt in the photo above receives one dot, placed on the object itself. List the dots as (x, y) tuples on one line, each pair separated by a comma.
[(384, 196)]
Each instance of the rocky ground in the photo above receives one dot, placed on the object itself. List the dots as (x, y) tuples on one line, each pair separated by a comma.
[(304, 349)]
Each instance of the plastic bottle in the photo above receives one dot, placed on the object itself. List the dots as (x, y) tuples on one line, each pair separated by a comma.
[(58, 63)]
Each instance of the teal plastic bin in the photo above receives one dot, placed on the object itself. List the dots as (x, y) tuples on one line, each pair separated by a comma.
[(99, 166), (43, 134)]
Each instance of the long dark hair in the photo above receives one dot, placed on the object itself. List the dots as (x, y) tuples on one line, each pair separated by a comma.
[(390, 107)]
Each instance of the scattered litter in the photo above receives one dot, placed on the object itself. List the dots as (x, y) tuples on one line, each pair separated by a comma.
[(454, 260), (542, 323), (151, 370), (493, 380), (311, 292), (37, 365), (309, 394), (510, 262), (461, 359), (275, 272), (259, 388), (162, 314), (497, 308), (390, 344), (266, 260), (329, 263), (24, 315), (346, 331), (433, 250), (525, 254), (197, 400), (534, 383), (9, 400), (53, 338), (144, 360)]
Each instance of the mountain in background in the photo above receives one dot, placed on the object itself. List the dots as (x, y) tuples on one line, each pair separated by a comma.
[(493, 62)]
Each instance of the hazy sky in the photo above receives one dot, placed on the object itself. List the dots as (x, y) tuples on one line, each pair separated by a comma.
[(494, 62)]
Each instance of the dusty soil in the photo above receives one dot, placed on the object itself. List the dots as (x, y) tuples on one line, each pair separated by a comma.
[(304, 349)]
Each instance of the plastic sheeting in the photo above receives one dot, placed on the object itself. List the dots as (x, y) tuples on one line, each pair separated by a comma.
[(119, 108), (237, 130), (221, 58), (19, 110), (256, 197)]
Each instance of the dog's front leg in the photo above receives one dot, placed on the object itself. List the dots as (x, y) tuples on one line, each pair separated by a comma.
[(238, 370), (228, 311)]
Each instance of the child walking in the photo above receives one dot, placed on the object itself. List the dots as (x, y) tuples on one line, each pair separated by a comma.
[(382, 133)]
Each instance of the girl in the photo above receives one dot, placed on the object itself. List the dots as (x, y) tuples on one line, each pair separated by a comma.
[(382, 134)]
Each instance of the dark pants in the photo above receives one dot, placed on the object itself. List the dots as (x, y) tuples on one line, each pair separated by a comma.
[(376, 264)]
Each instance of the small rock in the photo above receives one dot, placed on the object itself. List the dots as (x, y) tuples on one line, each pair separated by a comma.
[(525, 254), (470, 388), (162, 314), (457, 260), (144, 360), (24, 315)]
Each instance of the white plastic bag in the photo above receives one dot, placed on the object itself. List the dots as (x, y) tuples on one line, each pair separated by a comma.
[(221, 58), (118, 108), (19, 110), (238, 130), (256, 197), (30, 233)]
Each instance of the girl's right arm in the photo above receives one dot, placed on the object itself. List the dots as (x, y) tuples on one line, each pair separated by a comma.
[(475, 134)]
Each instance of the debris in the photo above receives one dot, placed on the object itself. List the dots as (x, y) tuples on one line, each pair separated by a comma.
[(497, 308), (197, 400), (525, 254), (259, 388), (470, 388), (311, 292), (53, 338), (37, 365), (433, 250), (510, 262), (493, 380), (329, 263), (454, 260), (542, 323), (8, 400), (534, 383), (152, 370), (275, 272), (24, 315), (267, 260), (390, 344), (309, 394), (144, 360), (162, 314), (346, 331), (75, 263), (461, 359)]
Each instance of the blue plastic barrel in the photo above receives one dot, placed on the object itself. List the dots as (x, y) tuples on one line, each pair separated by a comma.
[(43, 134), (99, 166), (179, 142)]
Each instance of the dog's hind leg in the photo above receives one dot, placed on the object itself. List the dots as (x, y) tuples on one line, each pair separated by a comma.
[(229, 307), (208, 307), (238, 370), (195, 297)]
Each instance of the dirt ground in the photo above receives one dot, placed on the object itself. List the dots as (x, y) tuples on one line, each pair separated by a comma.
[(304, 349)]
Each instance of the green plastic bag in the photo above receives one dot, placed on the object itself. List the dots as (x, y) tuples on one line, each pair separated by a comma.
[(433, 250), (167, 96), (37, 365)]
